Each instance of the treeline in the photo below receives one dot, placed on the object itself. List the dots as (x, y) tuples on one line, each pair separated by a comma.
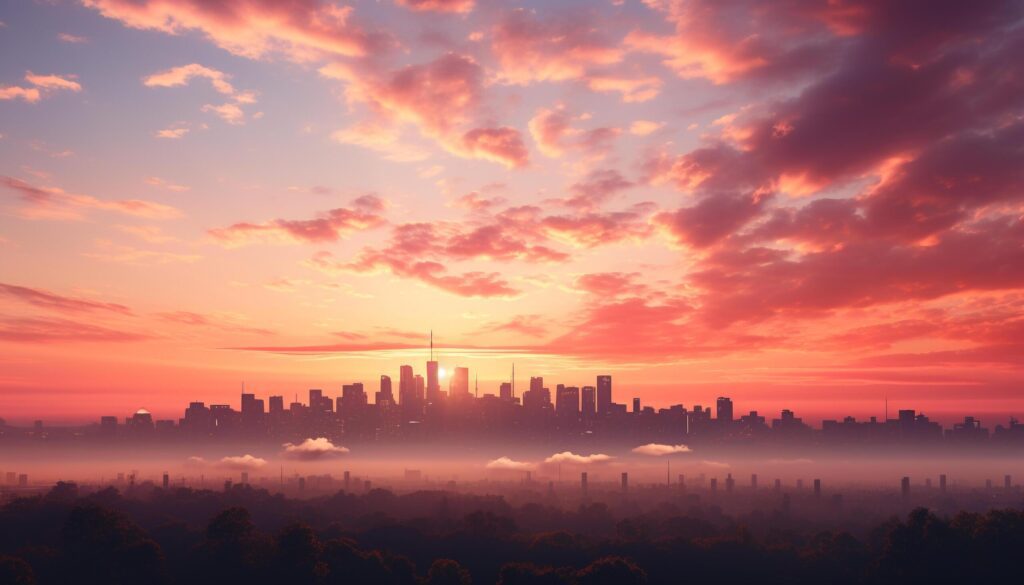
[(249, 536)]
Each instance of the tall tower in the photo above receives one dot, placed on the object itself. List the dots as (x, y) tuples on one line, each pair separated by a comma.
[(433, 386), (604, 394)]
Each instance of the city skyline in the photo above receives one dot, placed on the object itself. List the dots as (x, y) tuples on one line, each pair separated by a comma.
[(815, 204), (456, 292), (419, 408)]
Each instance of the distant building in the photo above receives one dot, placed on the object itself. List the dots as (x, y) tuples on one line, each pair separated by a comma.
[(588, 401), (604, 394), (723, 411)]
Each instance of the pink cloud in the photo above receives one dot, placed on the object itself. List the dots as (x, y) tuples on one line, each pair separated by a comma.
[(632, 88), (45, 330), (592, 229), (52, 82), (475, 201), (49, 300), (329, 227), (302, 30), (863, 274), (555, 134), (201, 320), (429, 272), (526, 325), (726, 42), (610, 284), (72, 39), (42, 85), (13, 92), (55, 203), (179, 76), (595, 189), (503, 145), (442, 98), (453, 6), (550, 49)]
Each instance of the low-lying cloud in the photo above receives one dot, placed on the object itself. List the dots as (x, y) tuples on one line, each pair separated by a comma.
[(243, 463), (310, 449), (660, 449), (505, 463), (570, 457)]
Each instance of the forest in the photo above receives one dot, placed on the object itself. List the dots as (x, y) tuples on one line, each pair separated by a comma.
[(249, 535)]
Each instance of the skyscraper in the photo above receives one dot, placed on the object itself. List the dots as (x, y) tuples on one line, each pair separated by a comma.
[(384, 394), (353, 399), (433, 384), (567, 402), (276, 404), (406, 386), (589, 401), (418, 389), (724, 409), (460, 383), (505, 391), (604, 394)]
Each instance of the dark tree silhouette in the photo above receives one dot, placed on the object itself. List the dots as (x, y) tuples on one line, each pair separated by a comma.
[(447, 572), (15, 571), (612, 571)]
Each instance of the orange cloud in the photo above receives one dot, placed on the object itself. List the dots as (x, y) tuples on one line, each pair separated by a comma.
[(313, 449), (49, 300), (454, 6), (633, 89), (179, 76), (242, 463), (173, 133), (431, 273), (70, 38), (28, 94), (52, 82), (231, 112), (40, 330), (531, 49), (553, 131), (441, 98), (55, 203), (329, 227), (570, 457), (503, 145), (303, 30), (657, 449), (44, 84), (508, 464)]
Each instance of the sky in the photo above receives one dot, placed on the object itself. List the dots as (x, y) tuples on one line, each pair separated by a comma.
[(806, 204)]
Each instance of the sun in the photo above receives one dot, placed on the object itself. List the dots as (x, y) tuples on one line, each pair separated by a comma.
[(441, 373)]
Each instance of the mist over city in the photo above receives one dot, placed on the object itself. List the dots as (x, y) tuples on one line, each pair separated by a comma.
[(562, 292)]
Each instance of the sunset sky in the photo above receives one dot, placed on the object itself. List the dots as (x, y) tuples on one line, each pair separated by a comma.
[(814, 204)]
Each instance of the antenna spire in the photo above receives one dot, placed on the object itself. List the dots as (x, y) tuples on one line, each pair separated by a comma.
[(431, 345)]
